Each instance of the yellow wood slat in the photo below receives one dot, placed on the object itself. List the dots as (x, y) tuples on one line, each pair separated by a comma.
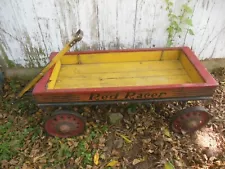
[(170, 55), (120, 57), (114, 57), (121, 67), (69, 59), (65, 74), (54, 75), (190, 69), (119, 82)]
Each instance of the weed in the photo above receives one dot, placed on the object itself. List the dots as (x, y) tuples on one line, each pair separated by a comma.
[(12, 142), (178, 23)]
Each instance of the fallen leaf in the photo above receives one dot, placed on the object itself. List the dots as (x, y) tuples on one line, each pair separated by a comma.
[(102, 140), (38, 157), (125, 138), (78, 161), (88, 167), (118, 143), (115, 152), (4, 164), (136, 161), (167, 132), (13, 162), (168, 165), (112, 163), (102, 156), (96, 158)]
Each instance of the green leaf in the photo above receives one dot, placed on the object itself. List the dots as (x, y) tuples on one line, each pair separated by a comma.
[(174, 24), (169, 43), (168, 165), (190, 31), (188, 22), (187, 8), (132, 109), (167, 1), (179, 30), (173, 16), (170, 3)]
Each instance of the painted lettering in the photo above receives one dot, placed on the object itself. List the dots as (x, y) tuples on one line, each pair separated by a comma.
[(130, 95), (94, 96), (133, 95), (103, 96), (161, 94)]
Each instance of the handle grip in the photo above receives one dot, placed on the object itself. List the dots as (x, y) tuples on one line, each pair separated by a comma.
[(77, 37)]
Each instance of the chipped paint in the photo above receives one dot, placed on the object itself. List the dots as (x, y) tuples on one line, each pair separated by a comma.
[(31, 30)]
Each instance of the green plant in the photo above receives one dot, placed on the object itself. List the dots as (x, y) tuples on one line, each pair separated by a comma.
[(14, 85), (12, 142), (178, 23), (84, 152)]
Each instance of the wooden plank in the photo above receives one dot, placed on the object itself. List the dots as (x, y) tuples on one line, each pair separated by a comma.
[(120, 57), (111, 57), (121, 74), (190, 69), (69, 59), (118, 82), (114, 57), (170, 54), (64, 74), (121, 67)]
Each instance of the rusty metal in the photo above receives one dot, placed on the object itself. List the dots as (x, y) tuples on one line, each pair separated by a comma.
[(65, 124), (190, 119)]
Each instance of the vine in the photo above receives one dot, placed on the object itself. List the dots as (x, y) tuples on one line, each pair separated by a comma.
[(178, 22)]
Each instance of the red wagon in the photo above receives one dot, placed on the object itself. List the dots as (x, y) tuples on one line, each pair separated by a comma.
[(113, 76)]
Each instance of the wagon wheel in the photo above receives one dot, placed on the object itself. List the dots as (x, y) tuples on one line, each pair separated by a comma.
[(190, 119), (64, 124)]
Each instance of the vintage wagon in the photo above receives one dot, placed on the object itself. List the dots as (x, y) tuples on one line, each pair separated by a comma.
[(113, 76)]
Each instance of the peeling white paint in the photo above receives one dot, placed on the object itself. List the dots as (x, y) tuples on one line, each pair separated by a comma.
[(31, 29)]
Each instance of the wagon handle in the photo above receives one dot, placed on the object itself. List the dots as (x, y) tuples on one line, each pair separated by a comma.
[(77, 37)]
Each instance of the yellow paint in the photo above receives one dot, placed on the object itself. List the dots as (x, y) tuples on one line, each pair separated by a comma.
[(54, 75), (121, 74), (170, 55), (190, 69), (123, 69), (115, 57), (69, 59)]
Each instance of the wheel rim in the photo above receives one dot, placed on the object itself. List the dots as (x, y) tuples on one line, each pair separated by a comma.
[(65, 125), (190, 121)]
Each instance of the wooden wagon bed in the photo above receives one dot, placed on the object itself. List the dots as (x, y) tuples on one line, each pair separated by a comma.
[(111, 75)]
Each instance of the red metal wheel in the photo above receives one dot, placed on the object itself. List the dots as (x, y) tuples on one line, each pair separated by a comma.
[(190, 119), (65, 124)]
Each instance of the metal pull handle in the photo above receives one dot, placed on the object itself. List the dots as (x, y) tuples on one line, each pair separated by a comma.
[(77, 37)]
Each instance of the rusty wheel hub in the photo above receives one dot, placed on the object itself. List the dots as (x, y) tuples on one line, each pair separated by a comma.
[(65, 124), (190, 119)]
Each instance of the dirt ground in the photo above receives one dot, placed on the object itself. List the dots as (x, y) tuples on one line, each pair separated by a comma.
[(141, 141)]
